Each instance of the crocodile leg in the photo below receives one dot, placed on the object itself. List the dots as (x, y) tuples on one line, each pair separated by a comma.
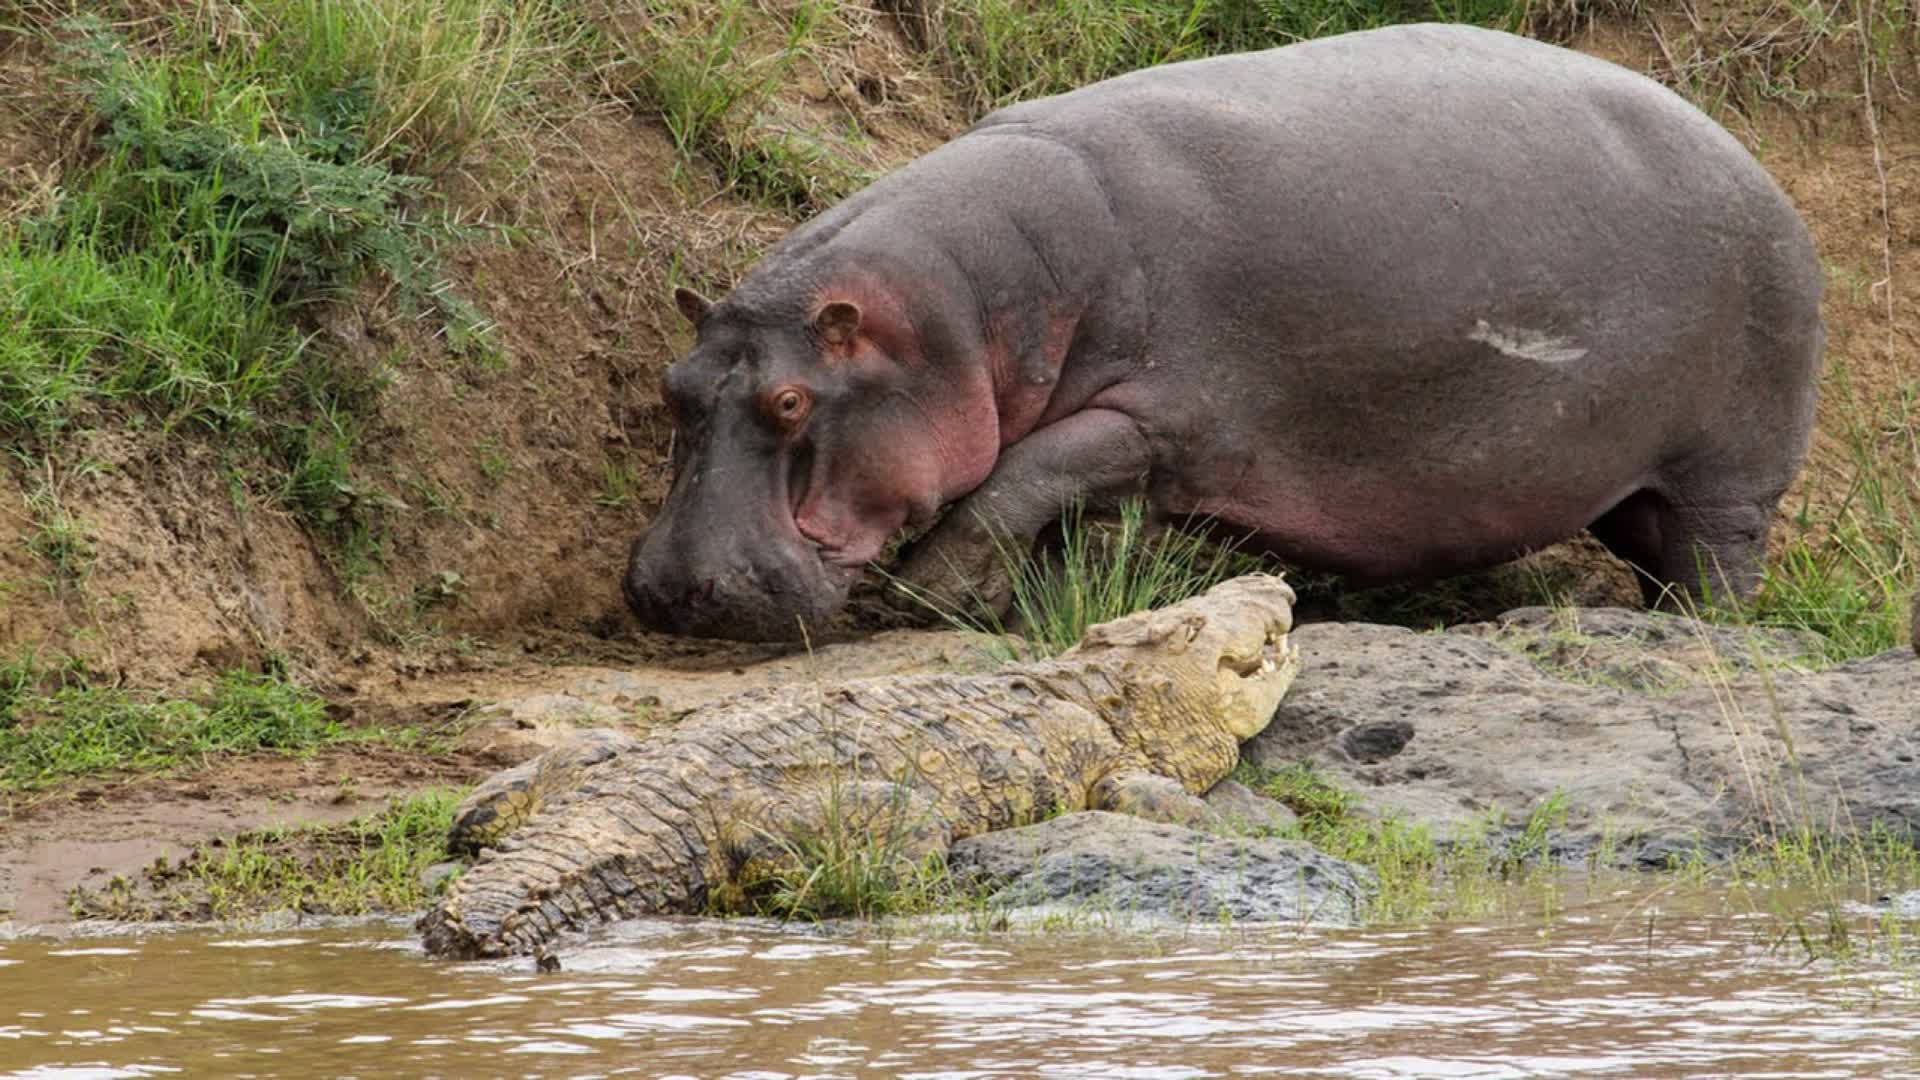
[(1151, 796), (893, 823)]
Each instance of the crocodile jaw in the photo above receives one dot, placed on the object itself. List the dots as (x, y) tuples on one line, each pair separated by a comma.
[(1251, 683), (1232, 640)]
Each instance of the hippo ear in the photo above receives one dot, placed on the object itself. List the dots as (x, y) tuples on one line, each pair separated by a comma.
[(693, 307), (837, 323)]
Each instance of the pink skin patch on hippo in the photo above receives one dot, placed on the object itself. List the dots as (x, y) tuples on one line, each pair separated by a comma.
[(1024, 385), (925, 437)]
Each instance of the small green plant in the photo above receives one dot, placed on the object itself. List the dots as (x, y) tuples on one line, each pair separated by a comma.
[(1474, 871), (863, 860), (619, 483), (59, 537), (493, 461)]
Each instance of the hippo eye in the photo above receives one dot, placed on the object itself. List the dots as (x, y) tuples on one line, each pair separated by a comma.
[(788, 405)]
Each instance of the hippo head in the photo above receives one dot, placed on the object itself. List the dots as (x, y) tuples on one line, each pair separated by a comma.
[(807, 432)]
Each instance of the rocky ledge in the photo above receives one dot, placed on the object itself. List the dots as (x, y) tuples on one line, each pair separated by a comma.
[(1115, 865), (1657, 734)]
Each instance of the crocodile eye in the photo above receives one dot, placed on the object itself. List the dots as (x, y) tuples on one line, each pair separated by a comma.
[(787, 405)]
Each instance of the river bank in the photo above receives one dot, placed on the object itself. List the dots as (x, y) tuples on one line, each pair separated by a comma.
[(1548, 740)]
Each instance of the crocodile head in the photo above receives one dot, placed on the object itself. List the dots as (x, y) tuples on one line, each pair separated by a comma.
[(1233, 638)]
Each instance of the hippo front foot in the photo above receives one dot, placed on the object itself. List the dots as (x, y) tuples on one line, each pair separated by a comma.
[(959, 574)]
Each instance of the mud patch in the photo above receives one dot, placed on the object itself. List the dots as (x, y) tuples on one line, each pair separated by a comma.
[(87, 834)]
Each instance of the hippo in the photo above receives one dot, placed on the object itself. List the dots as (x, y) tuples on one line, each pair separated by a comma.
[(1396, 304)]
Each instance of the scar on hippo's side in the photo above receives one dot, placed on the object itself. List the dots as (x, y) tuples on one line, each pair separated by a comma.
[(1523, 344)]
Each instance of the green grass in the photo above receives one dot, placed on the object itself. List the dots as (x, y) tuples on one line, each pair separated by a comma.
[(1001, 51), (619, 484), (440, 76), (1805, 890), (865, 859), (226, 190), (84, 327), (841, 873), (1485, 869), (370, 864), (1848, 573), (711, 71), (58, 724), (1098, 571), (59, 538)]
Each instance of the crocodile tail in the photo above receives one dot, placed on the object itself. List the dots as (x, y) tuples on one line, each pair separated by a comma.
[(583, 861)]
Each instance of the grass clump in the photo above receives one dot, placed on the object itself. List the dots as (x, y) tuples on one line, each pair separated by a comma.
[(1098, 571), (57, 724), (1473, 873), (840, 873), (438, 76), (372, 864), (861, 851), (1847, 573), (711, 70), (1001, 51), (1810, 890)]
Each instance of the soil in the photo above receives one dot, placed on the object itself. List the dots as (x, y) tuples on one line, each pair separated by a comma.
[(506, 489)]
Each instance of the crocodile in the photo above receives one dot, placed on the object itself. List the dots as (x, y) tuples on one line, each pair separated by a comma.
[(1142, 716)]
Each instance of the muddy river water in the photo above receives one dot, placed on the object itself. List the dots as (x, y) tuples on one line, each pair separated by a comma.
[(1619, 986)]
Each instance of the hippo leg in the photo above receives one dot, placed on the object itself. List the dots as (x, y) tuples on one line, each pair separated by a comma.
[(962, 562), (1700, 549)]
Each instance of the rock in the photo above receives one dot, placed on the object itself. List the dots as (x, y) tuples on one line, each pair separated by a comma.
[(512, 732), (1119, 863), (1641, 650), (1647, 768), (1913, 632), (1240, 810), (1376, 740)]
